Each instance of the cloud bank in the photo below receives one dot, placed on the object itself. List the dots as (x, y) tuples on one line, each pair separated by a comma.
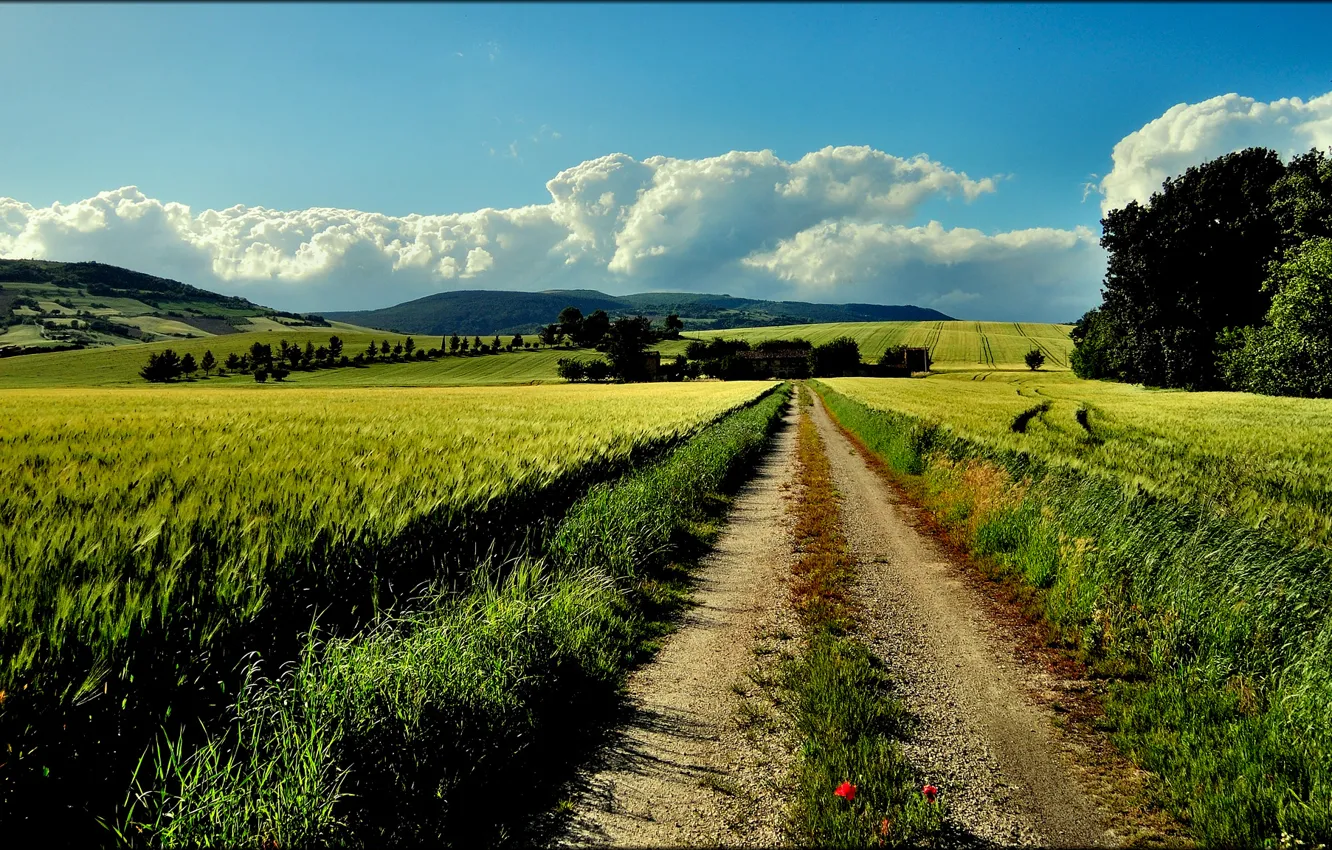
[(838, 224), (1192, 133)]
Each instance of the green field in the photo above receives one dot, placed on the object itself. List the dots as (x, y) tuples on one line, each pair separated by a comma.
[(154, 536), (1261, 460), (954, 346), (1178, 543), (119, 366)]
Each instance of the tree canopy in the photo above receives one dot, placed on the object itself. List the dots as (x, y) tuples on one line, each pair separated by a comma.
[(1190, 269)]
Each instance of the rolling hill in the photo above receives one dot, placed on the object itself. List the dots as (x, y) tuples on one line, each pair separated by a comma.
[(47, 305), (479, 311)]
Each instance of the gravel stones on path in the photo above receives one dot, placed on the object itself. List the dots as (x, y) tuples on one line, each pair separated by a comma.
[(701, 759), (989, 747)]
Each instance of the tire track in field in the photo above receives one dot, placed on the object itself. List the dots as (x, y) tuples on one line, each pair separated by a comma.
[(1049, 351), (932, 342), (986, 355), (982, 736)]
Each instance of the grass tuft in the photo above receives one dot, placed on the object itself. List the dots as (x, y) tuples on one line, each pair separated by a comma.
[(844, 711)]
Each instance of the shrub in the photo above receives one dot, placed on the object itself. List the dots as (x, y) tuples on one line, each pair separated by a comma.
[(570, 369), (598, 370)]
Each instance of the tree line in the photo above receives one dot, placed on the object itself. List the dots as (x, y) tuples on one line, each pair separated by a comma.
[(624, 341), (264, 363), (1222, 280), (727, 358)]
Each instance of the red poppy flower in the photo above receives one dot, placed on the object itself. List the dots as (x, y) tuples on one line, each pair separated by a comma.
[(930, 792), (846, 790), (885, 827)]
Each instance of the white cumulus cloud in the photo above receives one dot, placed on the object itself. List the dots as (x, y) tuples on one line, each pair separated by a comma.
[(833, 225), (1036, 272), (1191, 133)]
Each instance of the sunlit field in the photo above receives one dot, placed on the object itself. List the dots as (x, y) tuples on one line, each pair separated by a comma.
[(1265, 461), (953, 345), (152, 537)]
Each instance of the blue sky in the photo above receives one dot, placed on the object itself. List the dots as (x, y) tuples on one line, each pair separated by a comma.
[(449, 109)]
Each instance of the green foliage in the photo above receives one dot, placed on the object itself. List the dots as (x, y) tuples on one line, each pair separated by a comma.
[(571, 369), (841, 356), (625, 343), (1034, 359), (1291, 354), (1100, 348), (1191, 264), (796, 344), (164, 366)]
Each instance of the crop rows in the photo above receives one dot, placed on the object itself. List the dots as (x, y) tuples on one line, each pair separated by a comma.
[(953, 345), (151, 538)]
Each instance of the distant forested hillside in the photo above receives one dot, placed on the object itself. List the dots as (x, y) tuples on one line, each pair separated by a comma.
[(480, 311)]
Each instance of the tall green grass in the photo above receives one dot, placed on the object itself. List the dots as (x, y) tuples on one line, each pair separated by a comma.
[(1215, 635), (452, 724)]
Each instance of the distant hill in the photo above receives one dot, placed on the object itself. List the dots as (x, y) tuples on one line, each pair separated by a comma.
[(47, 305), (481, 311)]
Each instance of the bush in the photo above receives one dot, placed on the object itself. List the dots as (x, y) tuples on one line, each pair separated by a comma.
[(570, 369), (1034, 359), (261, 375), (599, 370)]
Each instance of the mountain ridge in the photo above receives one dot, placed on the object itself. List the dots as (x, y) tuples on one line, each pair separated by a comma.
[(485, 311)]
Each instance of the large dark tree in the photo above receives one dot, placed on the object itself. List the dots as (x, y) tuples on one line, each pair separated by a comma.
[(594, 329), (839, 357), (571, 323), (261, 355), (162, 366), (625, 342), (1190, 263)]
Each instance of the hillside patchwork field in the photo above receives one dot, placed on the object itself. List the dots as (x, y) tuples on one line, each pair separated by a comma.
[(52, 305)]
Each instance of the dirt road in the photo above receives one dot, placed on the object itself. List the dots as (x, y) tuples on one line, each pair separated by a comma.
[(981, 738), (683, 771)]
